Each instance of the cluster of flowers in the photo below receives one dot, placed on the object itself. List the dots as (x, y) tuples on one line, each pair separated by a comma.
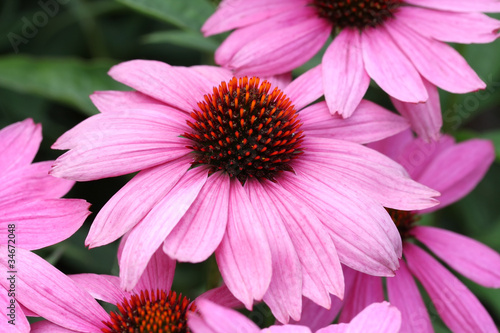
[(311, 207)]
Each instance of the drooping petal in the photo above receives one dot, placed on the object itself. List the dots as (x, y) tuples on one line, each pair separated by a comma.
[(404, 294), (448, 26), (134, 201), (322, 274), (305, 89), (364, 290), (222, 296), (315, 316), (117, 101), (369, 123), (243, 256), (457, 170), (284, 296), (390, 68), (12, 318), (19, 144), (487, 6), (51, 294), (425, 118), (378, 317), (102, 287), (112, 144), (159, 273), (43, 223), (201, 229), (393, 146), (436, 61), (467, 256), (460, 310), (213, 318), (363, 246), (147, 236), (344, 76)]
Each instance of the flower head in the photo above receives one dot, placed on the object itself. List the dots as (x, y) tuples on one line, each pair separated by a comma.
[(397, 43), (280, 192)]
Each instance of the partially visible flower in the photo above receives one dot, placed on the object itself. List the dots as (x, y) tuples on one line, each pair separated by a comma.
[(397, 43), (32, 215), (454, 170), (68, 302), (281, 192), (213, 318)]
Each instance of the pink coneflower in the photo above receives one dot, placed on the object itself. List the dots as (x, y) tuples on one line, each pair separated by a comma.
[(68, 303), (213, 318), (397, 43), (32, 215), (454, 170), (281, 196)]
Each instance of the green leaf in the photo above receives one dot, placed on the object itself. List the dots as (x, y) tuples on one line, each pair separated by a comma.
[(190, 39), (187, 15), (69, 81)]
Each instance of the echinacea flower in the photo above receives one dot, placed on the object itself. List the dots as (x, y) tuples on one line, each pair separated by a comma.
[(68, 302), (454, 170), (213, 318), (397, 43), (32, 215), (282, 193)]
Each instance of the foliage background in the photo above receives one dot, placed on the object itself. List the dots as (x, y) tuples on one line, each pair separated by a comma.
[(48, 67)]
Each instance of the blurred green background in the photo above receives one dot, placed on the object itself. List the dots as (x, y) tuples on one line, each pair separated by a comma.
[(53, 54)]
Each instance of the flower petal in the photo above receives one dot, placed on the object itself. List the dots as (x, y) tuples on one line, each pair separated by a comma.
[(159, 273), (146, 237), (344, 76), (43, 223), (19, 144), (404, 294), (390, 68), (286, 329), (49, 293), (436, 61), (44, 326), (201, 229), (378, 317), (305, 89), (102, 287), (243, 256), (222, 296), (284, 296), (315, 316), (134, 201), (460, 310), (369, 123), (12, 318), (467, 256), (487, 6)]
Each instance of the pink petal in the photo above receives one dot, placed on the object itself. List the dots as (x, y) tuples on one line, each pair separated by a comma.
[(102, 287), (344, 75), (117, 101), (30, 182), (243, 256), (404, 294), (51, 294), (390, 68), (284, 296), (239, 13), (436, 61), (457, 170), (124, 210), (217, 319), (460, 310), (355, 166), (214, 73), (460, 5), (305, 89), (201, 229), (393, 146), (322, 274), (364, 290), (363, 246), (112, 144), (467, 256), (282, 50), (369, 123), (315, 316), (12, 318), (45, 326), (287, 329), (222, 296), (180, 87), (148, 235), (425, 118), (43, 223), (159, 273), (19, 144), (450, 26), (378, 317)]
